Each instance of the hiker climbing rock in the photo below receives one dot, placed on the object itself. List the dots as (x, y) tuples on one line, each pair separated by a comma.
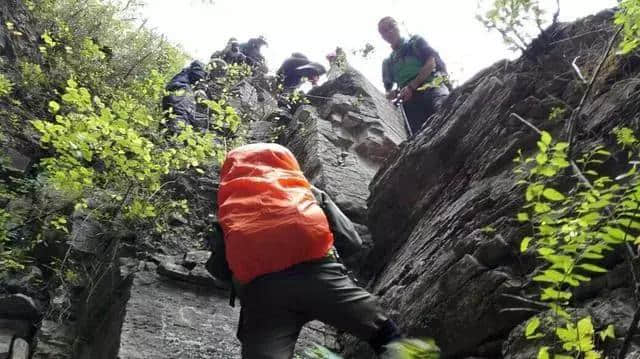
[(411, 65), (279, 247), (251, 50), (217, 68), (232, 54), (180, 104), (296, 68)]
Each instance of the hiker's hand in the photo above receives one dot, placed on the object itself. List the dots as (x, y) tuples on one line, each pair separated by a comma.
[(405, 94), (391, 95)]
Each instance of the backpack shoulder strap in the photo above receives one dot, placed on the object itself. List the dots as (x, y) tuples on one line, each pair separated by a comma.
[(412, 45), (347, 240)]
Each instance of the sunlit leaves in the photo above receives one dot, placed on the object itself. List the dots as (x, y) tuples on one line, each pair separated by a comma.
[(574, 224), (87, 132), (531, 327), (552, 195), (628, 16), (514, 20), (6, 86)]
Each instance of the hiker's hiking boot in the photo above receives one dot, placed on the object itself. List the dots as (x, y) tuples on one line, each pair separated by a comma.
[(411, 348)]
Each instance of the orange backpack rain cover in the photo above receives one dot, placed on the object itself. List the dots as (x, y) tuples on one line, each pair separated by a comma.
[(268, 214)]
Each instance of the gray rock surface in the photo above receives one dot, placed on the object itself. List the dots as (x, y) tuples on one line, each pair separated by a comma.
[(6, 337), (442, 208), (55, 341), (167, 318), (254, 99), (17, 161), (19, 349), (343, 137), (188, 268)]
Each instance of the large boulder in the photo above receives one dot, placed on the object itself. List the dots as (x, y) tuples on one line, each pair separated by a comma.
[(446, 243)]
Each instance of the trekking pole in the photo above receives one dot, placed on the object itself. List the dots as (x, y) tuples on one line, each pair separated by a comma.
[(398, 103)]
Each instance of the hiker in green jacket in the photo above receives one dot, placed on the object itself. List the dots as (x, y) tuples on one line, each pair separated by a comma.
[(412, 65)]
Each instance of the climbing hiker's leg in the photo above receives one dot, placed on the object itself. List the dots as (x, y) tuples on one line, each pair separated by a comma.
[(269, 325), (434, 98), (414, 109), (335, 299)]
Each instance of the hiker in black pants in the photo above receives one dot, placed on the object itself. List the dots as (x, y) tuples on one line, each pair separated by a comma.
[(278, 242)]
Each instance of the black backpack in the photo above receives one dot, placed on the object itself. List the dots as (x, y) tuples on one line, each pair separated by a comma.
[(217, 264), (346, 239)]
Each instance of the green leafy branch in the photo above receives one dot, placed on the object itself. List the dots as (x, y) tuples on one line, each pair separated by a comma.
[(513, 20)]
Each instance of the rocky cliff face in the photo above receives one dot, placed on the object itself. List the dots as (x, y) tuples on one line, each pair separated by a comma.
[(437, 213), (446, 243)]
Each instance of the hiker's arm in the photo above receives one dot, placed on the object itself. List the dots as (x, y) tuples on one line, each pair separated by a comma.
[(424, 74), (406, 93), (427, 54), (387, 80)]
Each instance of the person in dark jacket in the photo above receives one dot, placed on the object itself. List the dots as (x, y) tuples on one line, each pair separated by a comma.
[(297, 67), (232, 53), (251, 50), (411, 65), (180, 103)]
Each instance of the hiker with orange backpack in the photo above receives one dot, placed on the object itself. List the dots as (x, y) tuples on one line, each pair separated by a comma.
[(279, 245)]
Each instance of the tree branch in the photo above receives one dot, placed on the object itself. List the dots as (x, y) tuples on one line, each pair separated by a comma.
[(577, 70), (525, 300), (633, 326), (533, 310), (578, 110), (136, 64), (532, 126)]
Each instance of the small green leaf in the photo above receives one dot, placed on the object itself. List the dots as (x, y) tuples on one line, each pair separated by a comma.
[(616, 233), (531, 327), (525, 244), (523, 217), (541, 207), (592, 268), (559, 311), (552, 195), (585, 327), (550, 293), (542, 158), (543, 353), (54, 107), (609, 332), (545, 138), (548, 171), (544, 251)]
